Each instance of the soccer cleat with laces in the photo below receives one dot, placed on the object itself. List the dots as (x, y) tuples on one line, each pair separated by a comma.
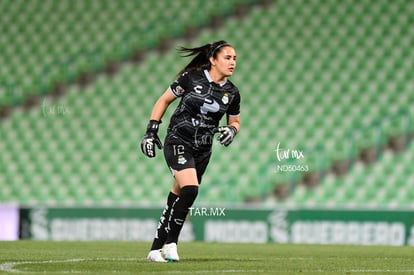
[(155, 256), (169, 251)]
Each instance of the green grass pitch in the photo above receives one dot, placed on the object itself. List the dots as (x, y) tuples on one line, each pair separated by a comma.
[(45, 257)]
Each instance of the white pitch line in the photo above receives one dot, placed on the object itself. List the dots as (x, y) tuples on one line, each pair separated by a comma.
[(11, 267)]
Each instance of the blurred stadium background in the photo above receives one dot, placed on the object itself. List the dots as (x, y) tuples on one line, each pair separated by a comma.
[(330, 78)]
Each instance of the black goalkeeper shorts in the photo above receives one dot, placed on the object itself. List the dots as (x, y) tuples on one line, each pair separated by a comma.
[(180, 156)]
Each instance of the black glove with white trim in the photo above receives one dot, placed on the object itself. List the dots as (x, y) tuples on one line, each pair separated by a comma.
[(151, 139), (227, 134)]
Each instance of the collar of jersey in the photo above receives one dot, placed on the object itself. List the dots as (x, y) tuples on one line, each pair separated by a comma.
[(211, 80)]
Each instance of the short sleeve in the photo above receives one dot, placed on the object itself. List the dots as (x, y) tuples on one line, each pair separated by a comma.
[(179, 86), (234, 108)]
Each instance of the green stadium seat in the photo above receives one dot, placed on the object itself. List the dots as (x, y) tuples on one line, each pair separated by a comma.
[(327, 71)]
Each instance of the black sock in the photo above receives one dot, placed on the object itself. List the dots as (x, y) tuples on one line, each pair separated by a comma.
[(161, 233), (179, 212)]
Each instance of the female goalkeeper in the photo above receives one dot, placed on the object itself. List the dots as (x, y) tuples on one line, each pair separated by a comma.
[(205, 95)]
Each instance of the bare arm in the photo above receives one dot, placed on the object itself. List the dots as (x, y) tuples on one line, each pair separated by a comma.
[(161, 105), (234, 121)]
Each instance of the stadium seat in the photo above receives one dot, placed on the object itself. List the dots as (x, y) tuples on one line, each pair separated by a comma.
[(316, 76)]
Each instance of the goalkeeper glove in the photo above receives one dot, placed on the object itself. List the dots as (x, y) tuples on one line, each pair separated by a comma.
[(151, 139), (227, 134)]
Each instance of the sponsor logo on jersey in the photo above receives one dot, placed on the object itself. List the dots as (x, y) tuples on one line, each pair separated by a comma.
[(210, 105), (195, 122), (198, 88)]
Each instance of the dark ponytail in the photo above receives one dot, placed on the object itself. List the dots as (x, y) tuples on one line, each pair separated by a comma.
[(201, 61)]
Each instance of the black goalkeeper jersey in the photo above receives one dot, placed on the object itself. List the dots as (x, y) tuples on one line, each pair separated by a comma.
[(203, 104)]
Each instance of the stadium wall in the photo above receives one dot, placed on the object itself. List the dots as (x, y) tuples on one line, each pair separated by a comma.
[(220, 224)]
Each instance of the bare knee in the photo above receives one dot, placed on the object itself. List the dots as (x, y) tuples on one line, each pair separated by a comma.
[(185, 177)]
